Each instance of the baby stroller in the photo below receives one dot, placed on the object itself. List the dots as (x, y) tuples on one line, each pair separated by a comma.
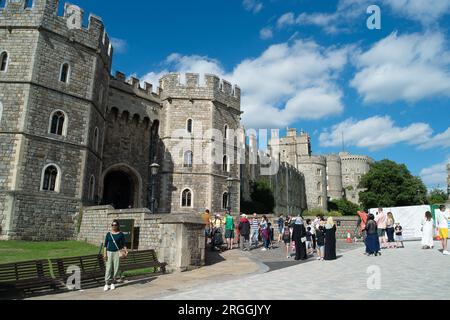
[(216, 240)]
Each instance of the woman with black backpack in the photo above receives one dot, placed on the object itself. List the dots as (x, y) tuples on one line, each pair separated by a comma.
[(286, 236)]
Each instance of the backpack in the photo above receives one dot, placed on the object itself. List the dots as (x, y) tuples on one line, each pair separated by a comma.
[(286, 234)]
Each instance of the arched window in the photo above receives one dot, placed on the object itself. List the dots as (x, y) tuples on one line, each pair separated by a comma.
[(225, 132), (189, 126), (319, 172), (4, 61), (186, 198), (319, 186), (319, 201), (91, 190), (188, 159), (64, 73), (225, 200), (95, 142), (226, 164), (50, 178), (58, 123)]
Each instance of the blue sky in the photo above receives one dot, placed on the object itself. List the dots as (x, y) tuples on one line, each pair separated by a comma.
[(310, 64)]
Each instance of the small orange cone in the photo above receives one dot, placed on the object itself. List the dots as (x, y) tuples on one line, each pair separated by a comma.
[(349, 238)]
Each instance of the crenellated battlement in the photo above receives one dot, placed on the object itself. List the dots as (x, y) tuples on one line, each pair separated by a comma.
[(188, 86), (133, 85), (43, 14)]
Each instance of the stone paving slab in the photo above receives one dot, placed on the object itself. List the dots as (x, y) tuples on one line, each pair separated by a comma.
[(409, 273)]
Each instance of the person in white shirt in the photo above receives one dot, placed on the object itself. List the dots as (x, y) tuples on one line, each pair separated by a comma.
[(442, 223)]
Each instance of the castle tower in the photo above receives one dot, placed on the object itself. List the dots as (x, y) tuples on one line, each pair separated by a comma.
[(52, 92), (199, 124), (314, 170), (334, 177), (353, 168)]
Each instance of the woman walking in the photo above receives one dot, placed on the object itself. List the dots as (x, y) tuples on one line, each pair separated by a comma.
[(114, 248), (372, 239), (299, 238), (265, 233), (330, 240), (390, 223), (427, 231), (286, 236)]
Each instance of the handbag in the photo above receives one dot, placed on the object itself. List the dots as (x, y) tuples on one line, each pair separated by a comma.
[(122, 253)]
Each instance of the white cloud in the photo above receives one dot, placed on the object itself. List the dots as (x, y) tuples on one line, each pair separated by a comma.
[(411, 67), (350, 13), (286, 19), (252, 5), (436, 175), (119, 45), (374, 133), (441, 140), (266, 33), (286, 83), (424, 11)]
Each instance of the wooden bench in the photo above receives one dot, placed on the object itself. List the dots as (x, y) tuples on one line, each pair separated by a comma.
[(92, 269), (26, 277), (141, 260)]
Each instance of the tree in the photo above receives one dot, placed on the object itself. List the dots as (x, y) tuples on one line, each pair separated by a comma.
[(437, 196), (389, 184), (262, 197), (347, 208)]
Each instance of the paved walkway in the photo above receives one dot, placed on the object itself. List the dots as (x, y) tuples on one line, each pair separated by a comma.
[(409, 273)]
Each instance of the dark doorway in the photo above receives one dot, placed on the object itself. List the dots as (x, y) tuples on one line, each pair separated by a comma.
[(119, 190)]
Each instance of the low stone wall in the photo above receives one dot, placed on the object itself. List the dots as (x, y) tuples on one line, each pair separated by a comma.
[(177, 238)]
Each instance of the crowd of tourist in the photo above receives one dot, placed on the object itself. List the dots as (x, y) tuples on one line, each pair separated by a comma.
[(301, 238), (381, 231)]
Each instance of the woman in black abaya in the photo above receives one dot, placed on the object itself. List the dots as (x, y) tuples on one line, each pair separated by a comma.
[(299, 236), (330, 240)]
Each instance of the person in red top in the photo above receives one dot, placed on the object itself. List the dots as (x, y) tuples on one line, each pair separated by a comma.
[(362, 227)]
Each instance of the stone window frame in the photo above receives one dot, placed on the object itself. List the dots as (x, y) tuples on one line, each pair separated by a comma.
[(191, 124), (1, 113), (91, 188), (192, 198), (4, 53), (69, 71), (320, 201), (319, 186), (96, 139), (65, 125), (188, 161), (58, 178), (227, 200)]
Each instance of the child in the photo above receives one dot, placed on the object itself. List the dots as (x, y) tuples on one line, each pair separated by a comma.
[(320, 238), (308, 241), (398, 235), (286, 236)]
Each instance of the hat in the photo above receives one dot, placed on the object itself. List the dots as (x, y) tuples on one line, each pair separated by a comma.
[(244, 215)]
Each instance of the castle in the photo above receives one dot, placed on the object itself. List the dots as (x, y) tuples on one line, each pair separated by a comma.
[(73, 136)]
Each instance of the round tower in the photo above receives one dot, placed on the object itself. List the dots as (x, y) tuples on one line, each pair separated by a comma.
[(353, 168), (314, 170), (334, 177)]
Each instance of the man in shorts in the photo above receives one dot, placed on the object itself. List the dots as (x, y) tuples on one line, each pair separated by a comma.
[(442, 217)]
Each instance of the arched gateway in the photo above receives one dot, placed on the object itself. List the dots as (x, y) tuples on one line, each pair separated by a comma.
[(121, 187)]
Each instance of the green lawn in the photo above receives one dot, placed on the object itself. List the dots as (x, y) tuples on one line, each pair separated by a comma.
[(14, 251)]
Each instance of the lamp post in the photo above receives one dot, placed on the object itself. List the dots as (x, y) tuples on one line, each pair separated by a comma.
[(229, 186), (154, 168)]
